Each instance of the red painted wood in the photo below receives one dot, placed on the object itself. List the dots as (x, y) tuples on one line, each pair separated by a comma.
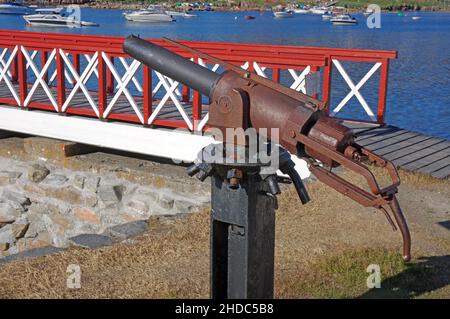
[(61, 80), (44, 57), (101, 85), (383, 91), (326, 84), (110, 79), (147, 94), (22, 73), (76, 62), (273, 56)]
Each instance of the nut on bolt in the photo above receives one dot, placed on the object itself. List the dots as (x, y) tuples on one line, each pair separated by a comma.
[(292, 133), (234, 176)]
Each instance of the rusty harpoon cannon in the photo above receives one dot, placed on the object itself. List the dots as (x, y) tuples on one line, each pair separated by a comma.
[(241, 99)]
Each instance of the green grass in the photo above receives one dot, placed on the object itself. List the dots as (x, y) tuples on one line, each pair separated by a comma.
[(345, 276)]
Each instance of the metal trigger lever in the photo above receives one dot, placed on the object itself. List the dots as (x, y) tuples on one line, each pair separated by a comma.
[(287, 166)]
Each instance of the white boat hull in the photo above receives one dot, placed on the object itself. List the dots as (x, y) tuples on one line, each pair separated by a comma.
[(344, 22), (39, 20), (318, 11), (149, 18), (18, 10), (283, 15)]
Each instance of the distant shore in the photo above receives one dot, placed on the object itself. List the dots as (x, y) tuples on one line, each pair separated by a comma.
[(351, 6)]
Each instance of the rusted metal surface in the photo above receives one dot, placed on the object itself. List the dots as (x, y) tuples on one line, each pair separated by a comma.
[(305, 130)]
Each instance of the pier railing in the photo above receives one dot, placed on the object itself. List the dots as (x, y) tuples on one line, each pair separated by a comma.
[(92, 76)]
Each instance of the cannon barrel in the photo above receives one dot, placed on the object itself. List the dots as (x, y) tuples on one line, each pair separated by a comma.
[(172, 65)]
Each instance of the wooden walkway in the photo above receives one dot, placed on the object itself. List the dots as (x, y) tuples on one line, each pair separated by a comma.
[(409, 150)]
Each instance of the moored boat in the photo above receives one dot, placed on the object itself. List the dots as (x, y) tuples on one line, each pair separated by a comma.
[(14, 7), (283, 14), (56, 20), (344, 19), (151, 14)]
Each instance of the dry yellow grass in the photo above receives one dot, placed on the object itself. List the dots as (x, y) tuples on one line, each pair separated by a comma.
[(322, 250)]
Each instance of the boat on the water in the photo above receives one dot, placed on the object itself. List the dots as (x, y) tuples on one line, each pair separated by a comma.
[(249, 17), (151, 14), (416, 18), (319, 10), (49, 10), (56, 20), (15, 7), (344, 19), (301, 11), (283, 14), (174, 13), (189, 15), (368, 12)]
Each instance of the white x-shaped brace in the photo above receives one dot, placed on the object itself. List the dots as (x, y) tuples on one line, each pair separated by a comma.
[(4, 72), (170, 87), (159, 85), (260, 70), (136, 83), (299, 79), (39, 77), (129, 74), (80, 81), (66, 75), (354, 89), (3, 63)]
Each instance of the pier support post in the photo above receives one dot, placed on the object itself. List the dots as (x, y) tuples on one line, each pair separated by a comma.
[(242, 236)]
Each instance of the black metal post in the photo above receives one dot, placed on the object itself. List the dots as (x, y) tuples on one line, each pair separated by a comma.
[(242, 236)]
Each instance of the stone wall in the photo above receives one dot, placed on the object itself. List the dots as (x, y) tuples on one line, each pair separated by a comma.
[(48, 197)]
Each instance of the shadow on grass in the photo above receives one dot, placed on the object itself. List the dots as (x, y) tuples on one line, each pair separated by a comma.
[(426, 275)]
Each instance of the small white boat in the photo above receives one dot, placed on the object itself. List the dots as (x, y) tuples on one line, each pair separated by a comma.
[(14, 7), (344, 19), (175, 13), (319, 10), (368, 12), (151, 14), (283, 14), (189, 15), (49, 10), (56, 20), (416, 18), (301, 11)]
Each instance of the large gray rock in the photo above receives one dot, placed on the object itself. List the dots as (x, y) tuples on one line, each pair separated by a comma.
[(55, 180), (110, 194), (9, 177), (16, 197), (9, 212), (7, 235), (91, 241), (20, 227), (91, 183), (37, 173), (127, 230)]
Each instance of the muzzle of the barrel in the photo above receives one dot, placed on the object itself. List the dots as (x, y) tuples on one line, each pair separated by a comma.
[(172, 65)]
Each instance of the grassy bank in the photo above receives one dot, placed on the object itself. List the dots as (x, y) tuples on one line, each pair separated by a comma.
[(322, 251)]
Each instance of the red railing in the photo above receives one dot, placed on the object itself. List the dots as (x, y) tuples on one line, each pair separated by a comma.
[(68, 63)]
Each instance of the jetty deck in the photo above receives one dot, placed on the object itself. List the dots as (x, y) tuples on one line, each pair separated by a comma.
[(408, 150)]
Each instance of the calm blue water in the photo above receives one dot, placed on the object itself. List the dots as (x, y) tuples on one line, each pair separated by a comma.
[(419, 80)]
